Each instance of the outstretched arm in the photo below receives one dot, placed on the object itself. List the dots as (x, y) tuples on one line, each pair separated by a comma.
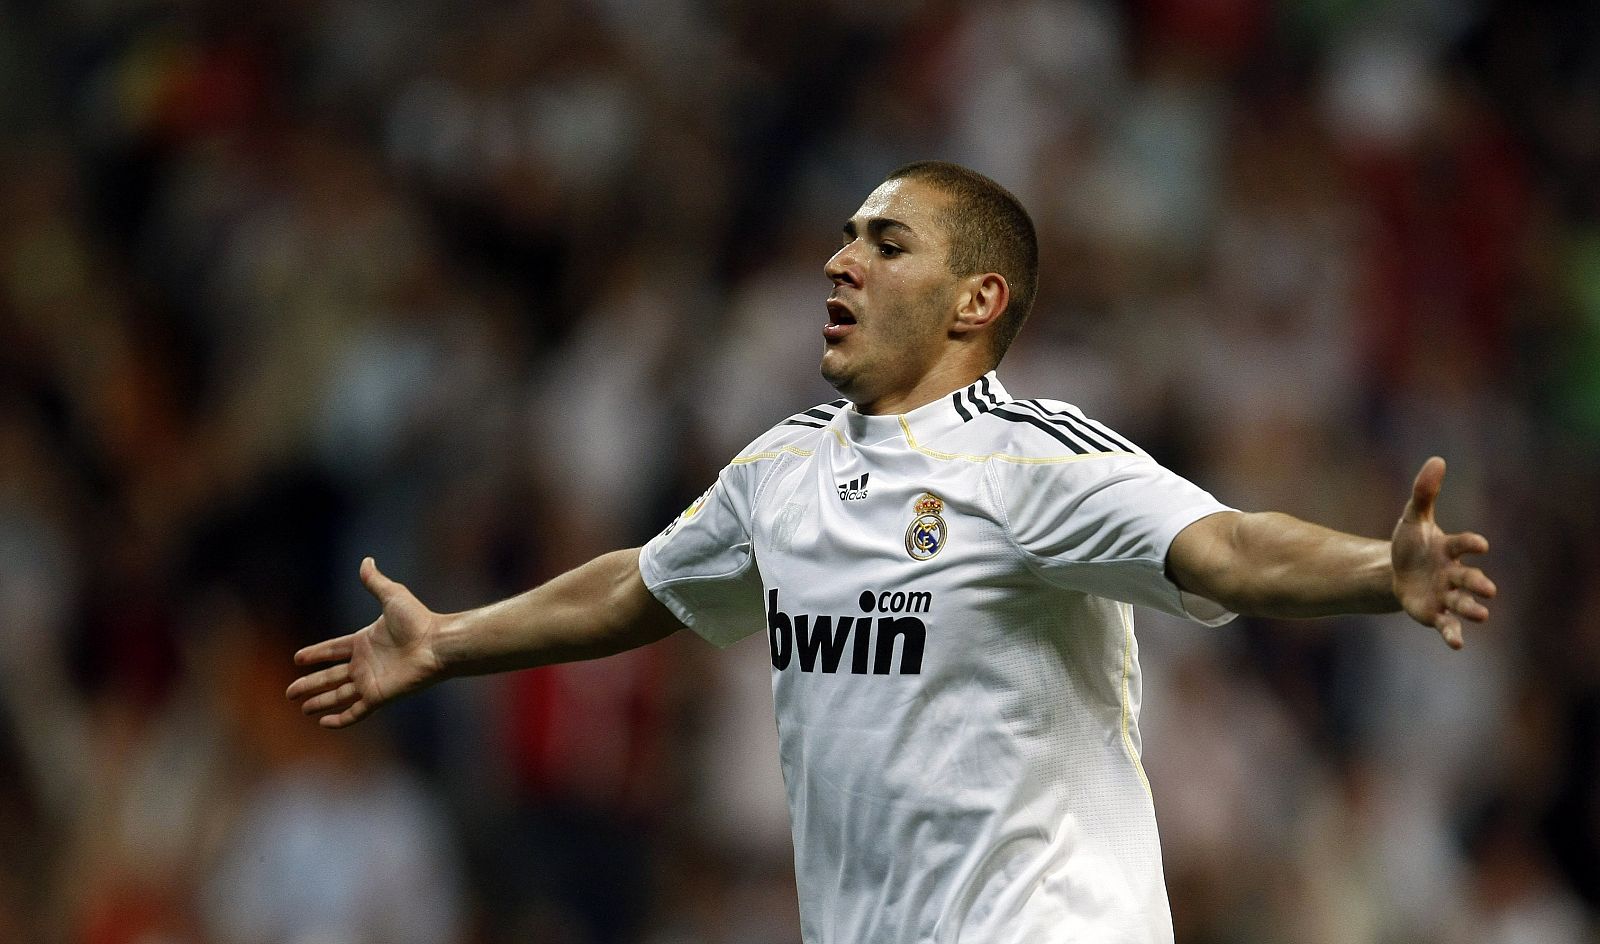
[(1271, 564), (595, 610)]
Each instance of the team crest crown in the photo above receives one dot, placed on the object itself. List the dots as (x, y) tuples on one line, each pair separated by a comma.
[(929, 504)]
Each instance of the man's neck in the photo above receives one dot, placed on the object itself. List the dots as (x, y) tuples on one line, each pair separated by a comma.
[(935, 384)]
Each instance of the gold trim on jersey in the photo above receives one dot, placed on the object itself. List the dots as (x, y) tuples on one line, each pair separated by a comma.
[(1127, 700), (758, 456), (999, 456)]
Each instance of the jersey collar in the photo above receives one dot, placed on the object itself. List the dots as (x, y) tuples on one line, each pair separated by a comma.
[(930, 420)]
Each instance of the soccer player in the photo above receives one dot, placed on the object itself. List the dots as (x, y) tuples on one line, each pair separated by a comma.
[(944, 574)]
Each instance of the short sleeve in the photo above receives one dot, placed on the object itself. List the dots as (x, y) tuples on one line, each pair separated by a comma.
[(702, 567), (1103, 526)]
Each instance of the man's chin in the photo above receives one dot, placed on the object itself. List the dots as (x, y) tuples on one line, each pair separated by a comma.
[(836, 372)]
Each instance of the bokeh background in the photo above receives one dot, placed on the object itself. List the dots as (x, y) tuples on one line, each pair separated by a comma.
[(483, 289)]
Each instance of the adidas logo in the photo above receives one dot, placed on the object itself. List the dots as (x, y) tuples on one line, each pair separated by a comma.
[(855, 489)]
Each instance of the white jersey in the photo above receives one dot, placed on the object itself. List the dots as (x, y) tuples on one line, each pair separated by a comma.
[(946, 599)]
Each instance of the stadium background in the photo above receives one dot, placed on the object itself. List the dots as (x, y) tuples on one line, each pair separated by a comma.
[(486, 288)]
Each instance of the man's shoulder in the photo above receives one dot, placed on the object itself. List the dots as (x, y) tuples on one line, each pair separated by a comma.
[(1046, 429), (797, 434)]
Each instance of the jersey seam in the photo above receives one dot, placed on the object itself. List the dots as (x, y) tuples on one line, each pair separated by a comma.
[(779, 439), (1005, 521), (1035, 561), (1126, 698), (761, 488), (689, 578), (772, 454)]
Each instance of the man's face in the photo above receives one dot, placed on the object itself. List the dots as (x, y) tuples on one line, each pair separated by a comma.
[(893, 296)]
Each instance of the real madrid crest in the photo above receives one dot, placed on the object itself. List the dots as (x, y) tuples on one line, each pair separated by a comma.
[(926, 535)]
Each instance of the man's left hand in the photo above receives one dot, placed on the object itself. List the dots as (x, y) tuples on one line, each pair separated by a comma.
[(1432, 584)]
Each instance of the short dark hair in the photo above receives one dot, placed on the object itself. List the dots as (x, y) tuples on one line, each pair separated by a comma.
[(989, 232)]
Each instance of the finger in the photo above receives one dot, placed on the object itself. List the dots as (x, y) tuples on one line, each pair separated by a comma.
[(1466, 543), (1450, 628), (1465, 604), (318, 682), (329, 650), (376, 583), (337, 700), (1425, 490), (347, 717), (1475, 580)]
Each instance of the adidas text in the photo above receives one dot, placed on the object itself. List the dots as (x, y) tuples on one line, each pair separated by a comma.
[(855, 489)]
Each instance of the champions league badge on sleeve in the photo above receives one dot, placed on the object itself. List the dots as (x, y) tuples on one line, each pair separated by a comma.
[(926, 535)]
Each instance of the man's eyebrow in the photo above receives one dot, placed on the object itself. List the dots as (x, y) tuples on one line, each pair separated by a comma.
[(876, 227)]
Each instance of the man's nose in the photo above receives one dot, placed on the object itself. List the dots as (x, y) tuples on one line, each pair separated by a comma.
[(843, 269)]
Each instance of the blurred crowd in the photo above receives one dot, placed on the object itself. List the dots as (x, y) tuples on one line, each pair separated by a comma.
[(486, 289)]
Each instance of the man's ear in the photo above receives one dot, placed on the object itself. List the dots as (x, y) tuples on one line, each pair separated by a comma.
[(982, 300)]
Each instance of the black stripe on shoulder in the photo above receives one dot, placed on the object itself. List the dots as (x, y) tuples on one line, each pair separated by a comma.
[(981, 401), (1016, 417), (841, 403), (956, 399), (1076, 426), (1111, 434), (824, 412), (988, 392), (1119, 444)]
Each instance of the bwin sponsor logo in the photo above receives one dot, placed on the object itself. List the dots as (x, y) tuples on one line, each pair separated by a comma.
[(855, 489), (818, 643)]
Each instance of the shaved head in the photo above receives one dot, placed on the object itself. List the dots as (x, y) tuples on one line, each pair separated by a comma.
[(989, 231)]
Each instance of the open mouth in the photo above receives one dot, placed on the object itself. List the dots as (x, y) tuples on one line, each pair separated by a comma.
[(841, 321)]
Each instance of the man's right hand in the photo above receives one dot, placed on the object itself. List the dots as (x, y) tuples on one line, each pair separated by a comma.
[(393, 656)]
